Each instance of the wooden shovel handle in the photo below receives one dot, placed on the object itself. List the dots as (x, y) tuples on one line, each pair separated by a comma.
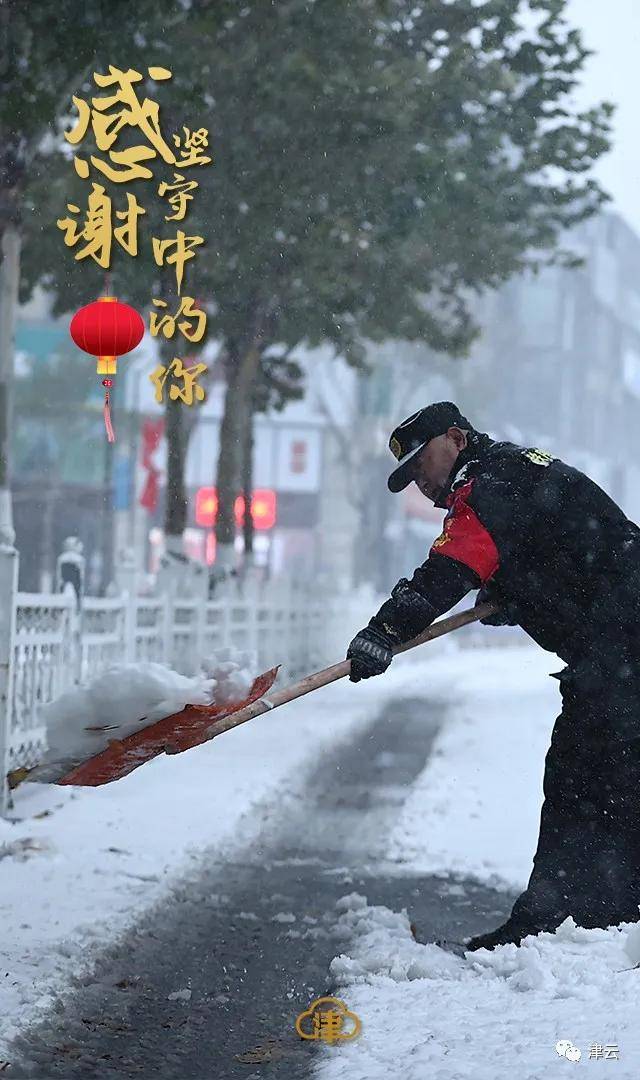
[(338, 671)]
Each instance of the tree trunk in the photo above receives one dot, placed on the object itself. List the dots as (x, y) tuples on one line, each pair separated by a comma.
[(240, 379), (177, 428), (175, 514), (247, 486), (107, 515), (9, 280)]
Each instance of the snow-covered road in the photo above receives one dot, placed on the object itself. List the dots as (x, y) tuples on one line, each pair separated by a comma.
[(390, 832), (79, 866), (212, 979)]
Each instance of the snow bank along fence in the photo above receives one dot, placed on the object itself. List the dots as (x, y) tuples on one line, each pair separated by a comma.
[(51, 642)]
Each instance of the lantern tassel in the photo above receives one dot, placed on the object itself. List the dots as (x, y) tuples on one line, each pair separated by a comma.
[(107, 418)]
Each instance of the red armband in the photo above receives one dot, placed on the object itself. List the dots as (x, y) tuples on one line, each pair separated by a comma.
[(465, 538)]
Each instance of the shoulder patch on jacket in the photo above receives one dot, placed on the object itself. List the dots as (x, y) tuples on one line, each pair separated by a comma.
[(538, 457), (465, 538)]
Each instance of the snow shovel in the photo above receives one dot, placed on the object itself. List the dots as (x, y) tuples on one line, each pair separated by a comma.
[(196, 724), (329, 675)]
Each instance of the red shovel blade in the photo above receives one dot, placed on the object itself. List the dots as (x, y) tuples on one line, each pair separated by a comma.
[(181, 731)]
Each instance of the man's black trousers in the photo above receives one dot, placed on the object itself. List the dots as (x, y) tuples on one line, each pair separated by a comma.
[(587, 862)]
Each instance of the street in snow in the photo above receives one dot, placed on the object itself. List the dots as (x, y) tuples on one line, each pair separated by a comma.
[(300, 880)]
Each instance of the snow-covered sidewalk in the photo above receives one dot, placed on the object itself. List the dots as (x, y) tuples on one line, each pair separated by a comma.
[(429, 1015), (82, 864)]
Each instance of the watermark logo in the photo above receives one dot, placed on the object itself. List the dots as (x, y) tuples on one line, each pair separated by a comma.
[(329, 1019), (565, 1048), (610, 1052)]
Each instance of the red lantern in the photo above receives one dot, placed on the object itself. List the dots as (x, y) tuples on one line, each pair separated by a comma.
[(107, 329)]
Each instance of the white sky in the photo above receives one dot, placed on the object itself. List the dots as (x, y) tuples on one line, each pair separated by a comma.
[(612, 28)]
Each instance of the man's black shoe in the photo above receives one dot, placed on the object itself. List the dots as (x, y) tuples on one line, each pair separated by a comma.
[(507, 934)]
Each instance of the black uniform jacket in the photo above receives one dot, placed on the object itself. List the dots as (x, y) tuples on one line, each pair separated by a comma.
[(542, 540)]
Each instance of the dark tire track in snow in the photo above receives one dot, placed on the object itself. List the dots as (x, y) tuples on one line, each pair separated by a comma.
[(252, 938)]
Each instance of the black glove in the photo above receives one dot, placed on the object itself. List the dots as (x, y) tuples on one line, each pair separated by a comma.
[(370, 653)]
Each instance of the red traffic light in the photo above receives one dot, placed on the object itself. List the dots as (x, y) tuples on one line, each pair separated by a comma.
[(263, 508)]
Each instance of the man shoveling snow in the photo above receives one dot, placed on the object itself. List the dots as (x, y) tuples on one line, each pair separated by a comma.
[(560, 559)]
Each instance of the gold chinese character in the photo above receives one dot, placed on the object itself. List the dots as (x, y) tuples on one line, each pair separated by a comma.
[(98, 227), (167, 323), (191, 151), (328, 1024), (181, 254), (180, 197), (106, 126), (179, 371)]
